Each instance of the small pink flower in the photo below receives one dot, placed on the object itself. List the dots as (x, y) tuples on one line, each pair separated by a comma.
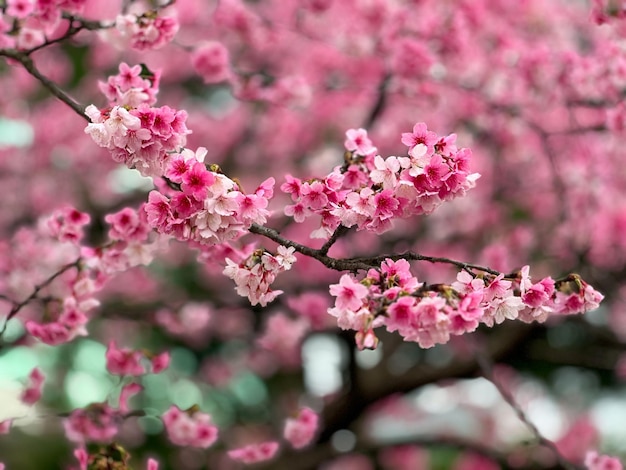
[(539, 294), (196, 181), (594, 461), (189, 428), (32, 393), (402, 314), (158, 210), (127, 225), (5, 426), (128, 391), (96, 423), (299, 431), (420, 135), (255, 452), (349, 292), (211, 62), (313, 195), (357, 141), (292, 186), (82, 456), (20, 8), (160, 362), (123, 361)]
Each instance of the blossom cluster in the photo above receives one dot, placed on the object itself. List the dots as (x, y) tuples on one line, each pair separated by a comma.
[(25, 24), (73, 296), (99, 422), (77, 272), (255, 452), (189, 428), (201, 204), (254, 276), (210, 60), (369, 191), (209, 208), (124, 361), (147, 31), (429, 314), (141, 137), (299, 431), (595, 461), (131, 87)]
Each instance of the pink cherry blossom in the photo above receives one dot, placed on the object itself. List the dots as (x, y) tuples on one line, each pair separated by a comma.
[(123, 361), (358, 141), (349, 293), (211, 62), (189, 428), (300, 431), (594, 461), (32, 393), (254, 453)]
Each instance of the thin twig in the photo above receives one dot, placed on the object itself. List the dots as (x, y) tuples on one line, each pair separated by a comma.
[(52, 87), (338, 233), (76, 25), (486, 367), (33, 295)]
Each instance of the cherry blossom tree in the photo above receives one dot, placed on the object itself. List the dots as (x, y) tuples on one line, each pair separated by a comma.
[(443, 181)]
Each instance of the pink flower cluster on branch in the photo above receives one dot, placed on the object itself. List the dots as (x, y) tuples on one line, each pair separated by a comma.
[(124, 361), (254, 453), (210, 208), (140, 138), (78, 271), (299, 431), (25, 24), (255, 275), (146, 31), (99, 422), (392, 297), (369, 191), (595, 461), (131, 87), (189, 428)]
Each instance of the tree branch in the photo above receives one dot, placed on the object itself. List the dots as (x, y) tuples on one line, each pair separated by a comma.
[(52, 87), (486, 366), (362, 263)]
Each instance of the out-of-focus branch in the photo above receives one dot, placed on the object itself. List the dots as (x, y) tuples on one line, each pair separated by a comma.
[(76, 25), (345, 412), (486, 366), (379, 104), (24, 59)]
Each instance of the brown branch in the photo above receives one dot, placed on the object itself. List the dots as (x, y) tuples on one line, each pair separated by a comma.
[(75, 26), (346, 410), (337, 234), (486, 366), (52, 87), (362, 263)]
